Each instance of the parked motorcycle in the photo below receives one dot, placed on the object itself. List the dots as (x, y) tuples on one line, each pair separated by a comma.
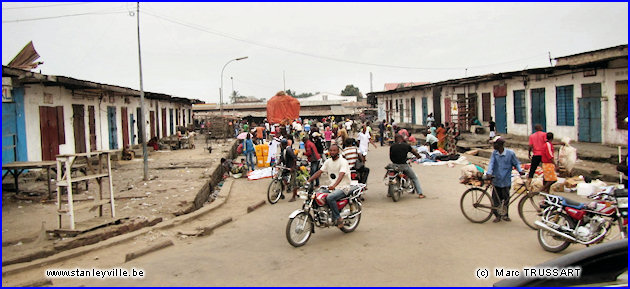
[(316, 213), (397, 182), (565, 221)]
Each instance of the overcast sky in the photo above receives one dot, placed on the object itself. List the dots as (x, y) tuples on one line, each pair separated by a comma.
[(321, 47)]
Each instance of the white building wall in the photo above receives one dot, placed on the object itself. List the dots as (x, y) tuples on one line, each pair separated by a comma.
[(34, 98), (607, 78)]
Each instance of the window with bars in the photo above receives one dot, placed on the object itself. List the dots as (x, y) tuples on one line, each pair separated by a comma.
[(519, 107), (621, 100), (564, 105)]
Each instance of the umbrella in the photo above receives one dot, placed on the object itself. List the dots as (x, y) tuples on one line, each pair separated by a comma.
[(242, 135)]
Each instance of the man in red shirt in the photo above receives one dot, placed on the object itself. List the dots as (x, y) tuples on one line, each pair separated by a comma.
[(537, 142), (313, 157)]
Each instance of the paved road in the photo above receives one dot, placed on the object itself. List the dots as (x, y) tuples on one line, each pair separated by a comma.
[(414, 242)]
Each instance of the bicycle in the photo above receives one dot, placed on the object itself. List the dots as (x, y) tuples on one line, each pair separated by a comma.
[(280, 182), (479, 202)]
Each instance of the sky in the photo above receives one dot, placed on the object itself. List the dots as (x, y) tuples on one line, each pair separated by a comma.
[(305, 47)]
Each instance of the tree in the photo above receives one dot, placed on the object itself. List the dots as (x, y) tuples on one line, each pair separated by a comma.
[(234, 96), (296, 95), (351, 90), (290, 92)]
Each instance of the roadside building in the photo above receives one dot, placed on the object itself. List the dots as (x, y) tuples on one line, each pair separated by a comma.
[(583, 96), (46, 115)]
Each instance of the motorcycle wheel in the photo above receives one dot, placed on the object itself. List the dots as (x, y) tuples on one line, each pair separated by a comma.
[(351, 224), (299, 229), (529, 208), (394, 192), (476, 205), (551, 242), (274, 191)]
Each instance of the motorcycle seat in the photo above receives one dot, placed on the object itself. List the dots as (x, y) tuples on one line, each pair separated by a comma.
[(573, 204)]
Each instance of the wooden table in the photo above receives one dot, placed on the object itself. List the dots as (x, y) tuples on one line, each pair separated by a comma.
[(16, 168)]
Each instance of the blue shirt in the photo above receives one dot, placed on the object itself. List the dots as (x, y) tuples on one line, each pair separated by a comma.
[(249, 146), (501, 167)]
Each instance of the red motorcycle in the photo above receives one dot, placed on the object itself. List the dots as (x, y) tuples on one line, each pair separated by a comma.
[(565, 221), (316, 213)]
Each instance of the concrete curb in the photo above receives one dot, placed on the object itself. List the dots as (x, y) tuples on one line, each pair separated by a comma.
[(255, 206), (36, 283), (144, 251), (208, 230), (65, 255)]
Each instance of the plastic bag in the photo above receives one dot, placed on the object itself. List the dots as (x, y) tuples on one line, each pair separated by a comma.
[(567, 157)]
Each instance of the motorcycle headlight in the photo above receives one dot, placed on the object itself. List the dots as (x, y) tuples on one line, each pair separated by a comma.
[(622, 203)]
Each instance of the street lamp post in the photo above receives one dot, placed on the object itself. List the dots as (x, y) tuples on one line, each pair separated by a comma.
[(221, 91)]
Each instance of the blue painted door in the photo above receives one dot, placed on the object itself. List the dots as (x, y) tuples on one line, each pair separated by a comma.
[(170, 111), (413, 110), (500, 112), (424, 111), (589, 119), (133, 129), (113, 129), (14, 129), (538, 108), (9, 132)]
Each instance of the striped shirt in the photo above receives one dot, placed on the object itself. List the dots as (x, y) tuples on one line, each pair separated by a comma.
[(351, 154)]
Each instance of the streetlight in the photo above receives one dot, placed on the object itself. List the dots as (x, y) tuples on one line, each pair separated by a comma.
[(221, 91)]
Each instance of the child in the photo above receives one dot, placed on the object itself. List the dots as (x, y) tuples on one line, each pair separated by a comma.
[(492, 126), (548, 164)]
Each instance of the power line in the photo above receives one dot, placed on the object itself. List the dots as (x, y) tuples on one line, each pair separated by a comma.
[(43, 6), (222, 34), (61, 16)]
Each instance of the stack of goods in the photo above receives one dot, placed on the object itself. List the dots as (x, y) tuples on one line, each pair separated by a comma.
[(262, 155)]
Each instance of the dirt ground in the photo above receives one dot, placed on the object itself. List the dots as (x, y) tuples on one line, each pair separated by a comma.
[(175, 178), (409, 243)]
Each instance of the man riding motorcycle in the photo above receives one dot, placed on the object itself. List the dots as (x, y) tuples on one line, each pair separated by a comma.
[(398, 155), (339, 173)]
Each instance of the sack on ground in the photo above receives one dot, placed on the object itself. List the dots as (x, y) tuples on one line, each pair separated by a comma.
[(567, 157)]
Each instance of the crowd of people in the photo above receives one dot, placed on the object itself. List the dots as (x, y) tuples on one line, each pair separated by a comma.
[(314, 140)]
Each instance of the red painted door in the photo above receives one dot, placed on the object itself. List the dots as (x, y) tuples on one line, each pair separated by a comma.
[(152, 123), (49, 131), (447, 110), (92, 124), (78, 123), (125, 126)]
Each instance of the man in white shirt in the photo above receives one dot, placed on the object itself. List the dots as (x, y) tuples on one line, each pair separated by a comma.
[(339, 174), (364, 140), (348, 125)]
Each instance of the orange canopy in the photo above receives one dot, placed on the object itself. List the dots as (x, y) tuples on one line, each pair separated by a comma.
[(282, 108)]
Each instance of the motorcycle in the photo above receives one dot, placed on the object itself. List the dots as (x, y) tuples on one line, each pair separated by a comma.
[(565, 221), (397, 182), (316, 213)]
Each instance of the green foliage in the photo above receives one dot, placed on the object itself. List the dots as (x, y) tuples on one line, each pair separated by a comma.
[(301, 95), (351, 90)]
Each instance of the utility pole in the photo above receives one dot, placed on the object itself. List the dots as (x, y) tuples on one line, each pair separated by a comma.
[(141, 116), (284, 82), (371, 89)]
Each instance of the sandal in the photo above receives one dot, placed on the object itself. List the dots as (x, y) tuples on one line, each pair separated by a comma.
[(340, 223), (421, 196)]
